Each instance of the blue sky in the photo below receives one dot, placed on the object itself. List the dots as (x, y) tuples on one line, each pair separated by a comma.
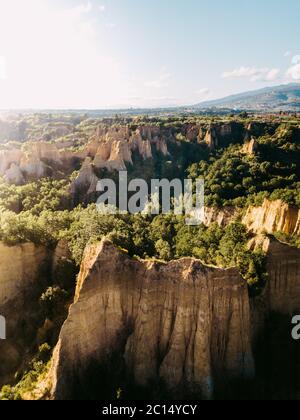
[(119, 53)]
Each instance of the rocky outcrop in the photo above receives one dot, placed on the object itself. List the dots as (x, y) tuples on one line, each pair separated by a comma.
[(250, 147), (19, 268), (181, 323), (23, 273), (86, 181), (283, 268), (282, 293), (14, 175), (222, 216), (112, 148), (273, 217), (222, 134), (28, 163), (277, 354)]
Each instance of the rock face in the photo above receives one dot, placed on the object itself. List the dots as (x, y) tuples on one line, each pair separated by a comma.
[(112, 148), (222, 135), (250, 147), (282, 293), (180, 323), (272, 217), (30, 163), (23, 271), (19, 268), (86, 181), (277, 355), (283, 267), (222, 216)]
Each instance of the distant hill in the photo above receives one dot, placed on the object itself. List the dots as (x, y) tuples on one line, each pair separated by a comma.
[(284, 97)]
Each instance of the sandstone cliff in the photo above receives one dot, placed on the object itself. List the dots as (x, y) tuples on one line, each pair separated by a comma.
[(222, 216), (181, 323), (111, 148), (19, 268), (277, 355), (282, 292), (250, 147), (23, 273), (272, 217)]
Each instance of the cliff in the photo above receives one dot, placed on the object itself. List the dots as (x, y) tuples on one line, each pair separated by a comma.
[(23, 273), (182, 324), (282, 292), (272, 217), (109, 147), (277, 355), (19, 268), (222, 217)]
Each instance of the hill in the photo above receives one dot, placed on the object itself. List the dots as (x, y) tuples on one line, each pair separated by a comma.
[(284, 98)]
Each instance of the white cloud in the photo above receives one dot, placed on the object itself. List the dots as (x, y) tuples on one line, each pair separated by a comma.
[(287, 53), (204, 91), (111, 25), (3, 68), (296, 59), (83, 8), (272, 75), (102, 8), (253, 73), (203, 94), (162, 81), (293, 73)]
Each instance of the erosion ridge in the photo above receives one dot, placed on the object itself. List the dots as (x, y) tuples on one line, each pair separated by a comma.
[(110, 148), (182, 323)]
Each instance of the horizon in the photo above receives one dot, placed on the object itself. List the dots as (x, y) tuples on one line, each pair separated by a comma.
[(129, 108), (111, 54)]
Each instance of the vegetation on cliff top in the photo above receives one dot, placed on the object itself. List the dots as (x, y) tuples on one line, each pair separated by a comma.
[(43, 211)]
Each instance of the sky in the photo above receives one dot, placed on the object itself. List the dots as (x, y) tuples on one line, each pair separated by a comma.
[(94, 54)]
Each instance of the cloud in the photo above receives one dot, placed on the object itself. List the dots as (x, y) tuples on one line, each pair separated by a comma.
[(293, 73), (204, 91), (272, 75), (287, 53), (102, 8), (3, 68), (203, 94), (253, 73), (82, 8), (111, 25), (161, 82), (296, 59)]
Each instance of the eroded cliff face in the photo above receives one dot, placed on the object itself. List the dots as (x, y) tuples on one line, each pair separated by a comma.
[(182, 323), (19, 268), (282, 292), (111, 148), (277, 354), (23, 274), (190, 328), (222, 217), (31, 162), (272, 217)]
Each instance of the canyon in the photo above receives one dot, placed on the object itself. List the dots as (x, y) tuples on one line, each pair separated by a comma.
[(154, 329), (180, 327), (187, 326), (180, 323), (23, 275), (109, 148)]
